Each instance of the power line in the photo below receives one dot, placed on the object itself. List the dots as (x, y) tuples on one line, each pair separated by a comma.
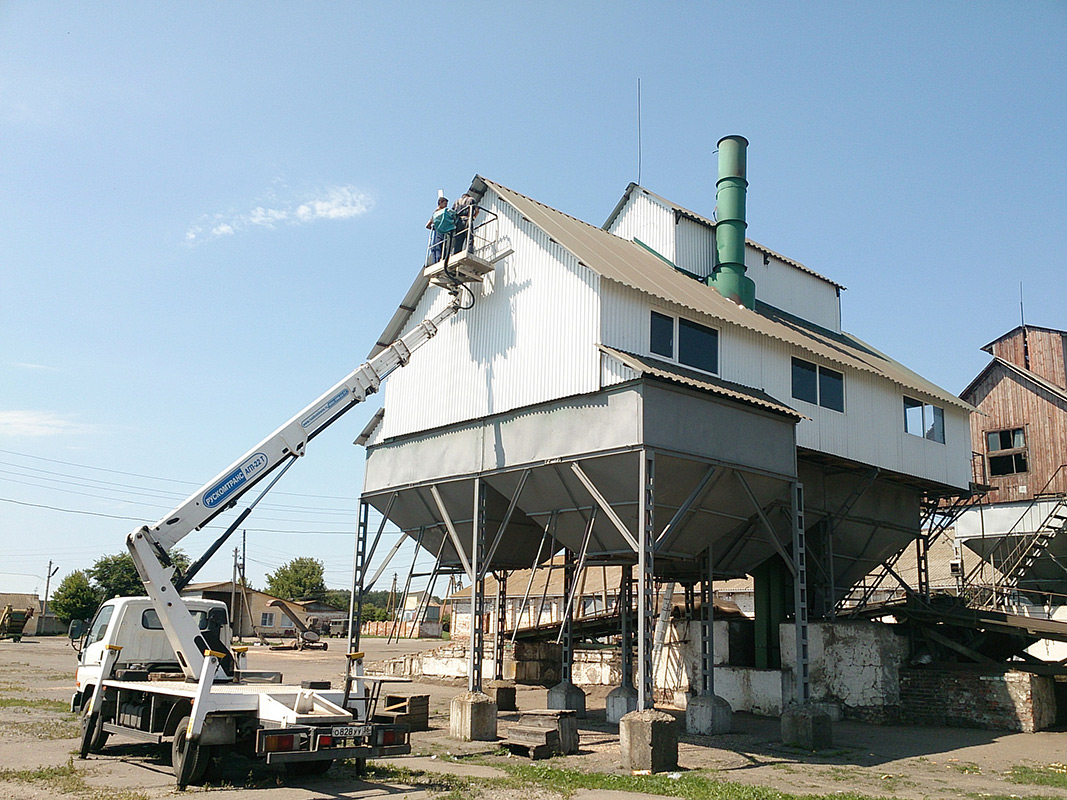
[(155, 477)]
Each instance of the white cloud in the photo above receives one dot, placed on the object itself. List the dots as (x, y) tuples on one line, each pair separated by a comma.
[(39, 367), (330, 203), (38, 423)]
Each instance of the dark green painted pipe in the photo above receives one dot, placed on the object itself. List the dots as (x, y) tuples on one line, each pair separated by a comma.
[(729, 275)]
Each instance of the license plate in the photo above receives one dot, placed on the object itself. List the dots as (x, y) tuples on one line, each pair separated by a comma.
[(351, 731)]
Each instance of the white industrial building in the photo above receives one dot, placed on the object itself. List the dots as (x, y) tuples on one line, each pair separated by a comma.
[(606, 396)]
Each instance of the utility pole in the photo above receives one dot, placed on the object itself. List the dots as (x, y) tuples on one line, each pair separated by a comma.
[(390, 603), (47, 585), (234, 616)]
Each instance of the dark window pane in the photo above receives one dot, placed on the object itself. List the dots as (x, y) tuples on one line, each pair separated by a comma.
[(1001, 465), (805, 377), (698, 346), (662, 340), (1005, 440), (913, 416), (831, 389), (1020, 462)]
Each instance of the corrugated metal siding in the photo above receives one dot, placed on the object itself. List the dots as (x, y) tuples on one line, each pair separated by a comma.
[(695, 248), (532, 337), (800, 293), (649, 220), (622, 261), (613, 371)]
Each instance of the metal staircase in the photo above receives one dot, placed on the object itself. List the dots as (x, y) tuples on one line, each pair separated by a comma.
[(1030, 547)]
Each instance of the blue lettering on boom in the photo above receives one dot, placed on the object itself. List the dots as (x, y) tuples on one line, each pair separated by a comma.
[(221, 492)]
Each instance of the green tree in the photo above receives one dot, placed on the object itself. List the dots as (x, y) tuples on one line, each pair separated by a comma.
[(338, 598), (116, 576), (74, 598), (300, 579)]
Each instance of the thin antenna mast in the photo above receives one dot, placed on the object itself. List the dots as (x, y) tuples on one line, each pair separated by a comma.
[(1022, 322), (639, 131)]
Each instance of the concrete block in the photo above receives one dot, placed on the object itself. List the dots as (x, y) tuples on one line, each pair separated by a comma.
[(648, 740), (566, 695), (808, 727), (620, 702), (706, 715), (472, 717), (503, 694)]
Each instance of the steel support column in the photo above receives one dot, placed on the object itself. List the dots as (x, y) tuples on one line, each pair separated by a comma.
[(566, 632), (477, 643), (800, 592), (646, 539), (626, 611), (707, 626), (501, 623)]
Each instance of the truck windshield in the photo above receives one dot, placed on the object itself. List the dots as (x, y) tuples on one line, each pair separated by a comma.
[(99, 626)]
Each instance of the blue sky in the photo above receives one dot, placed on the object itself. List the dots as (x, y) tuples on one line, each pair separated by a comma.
[(210, 211)]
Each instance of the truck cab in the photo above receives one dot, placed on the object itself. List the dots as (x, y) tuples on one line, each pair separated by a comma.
[(132, 624)]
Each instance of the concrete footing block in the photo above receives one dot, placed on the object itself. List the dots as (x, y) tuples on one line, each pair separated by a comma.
[(648, 740), (472, 717), (503, 694), (566, 695), (708, 714), (620, 702), (808, 727)]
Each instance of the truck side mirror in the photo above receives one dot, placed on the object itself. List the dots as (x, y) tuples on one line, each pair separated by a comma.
[(76, 630)]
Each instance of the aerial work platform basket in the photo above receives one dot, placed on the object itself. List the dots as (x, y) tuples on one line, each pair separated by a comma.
[(467, 254)]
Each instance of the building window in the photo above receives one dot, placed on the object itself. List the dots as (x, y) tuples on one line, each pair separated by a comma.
[(924, 419), (662, 340), (818, 385), (698, 345), (266, 619), (1010, 448)]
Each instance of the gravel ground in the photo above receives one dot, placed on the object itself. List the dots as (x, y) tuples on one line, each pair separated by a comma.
[(36, 731)]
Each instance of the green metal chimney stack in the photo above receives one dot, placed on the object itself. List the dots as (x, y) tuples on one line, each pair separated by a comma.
[(729, 275)]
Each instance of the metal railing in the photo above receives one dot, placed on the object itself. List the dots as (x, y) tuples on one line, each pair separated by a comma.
[(475, 235), (1017, 545)]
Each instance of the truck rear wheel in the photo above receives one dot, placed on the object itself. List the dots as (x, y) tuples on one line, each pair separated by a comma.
[(189, 760)]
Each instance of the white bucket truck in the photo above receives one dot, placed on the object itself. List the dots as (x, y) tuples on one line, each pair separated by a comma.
[(161, 668)]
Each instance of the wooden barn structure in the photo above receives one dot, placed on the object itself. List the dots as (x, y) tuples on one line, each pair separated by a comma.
[(1019, 440)]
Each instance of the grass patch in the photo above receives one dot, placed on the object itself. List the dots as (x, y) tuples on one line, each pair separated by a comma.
[(692, 785), (565, 782), (66, 779), (35, 702), (49, 729), (1049, 775)]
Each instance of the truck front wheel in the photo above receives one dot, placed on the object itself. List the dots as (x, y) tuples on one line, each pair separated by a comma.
[(93, 735), (189, 760)]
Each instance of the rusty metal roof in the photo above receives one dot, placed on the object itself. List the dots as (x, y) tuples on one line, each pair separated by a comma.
[(632, 265)]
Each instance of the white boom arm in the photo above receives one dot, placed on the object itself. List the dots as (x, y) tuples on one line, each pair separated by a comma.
[(149, 545)]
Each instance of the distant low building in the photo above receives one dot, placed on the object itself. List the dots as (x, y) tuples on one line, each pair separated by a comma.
[(250, 610)]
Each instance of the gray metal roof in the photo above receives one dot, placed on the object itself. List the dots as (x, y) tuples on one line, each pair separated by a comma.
[(695, 217), (632, 265), (709, 383)]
